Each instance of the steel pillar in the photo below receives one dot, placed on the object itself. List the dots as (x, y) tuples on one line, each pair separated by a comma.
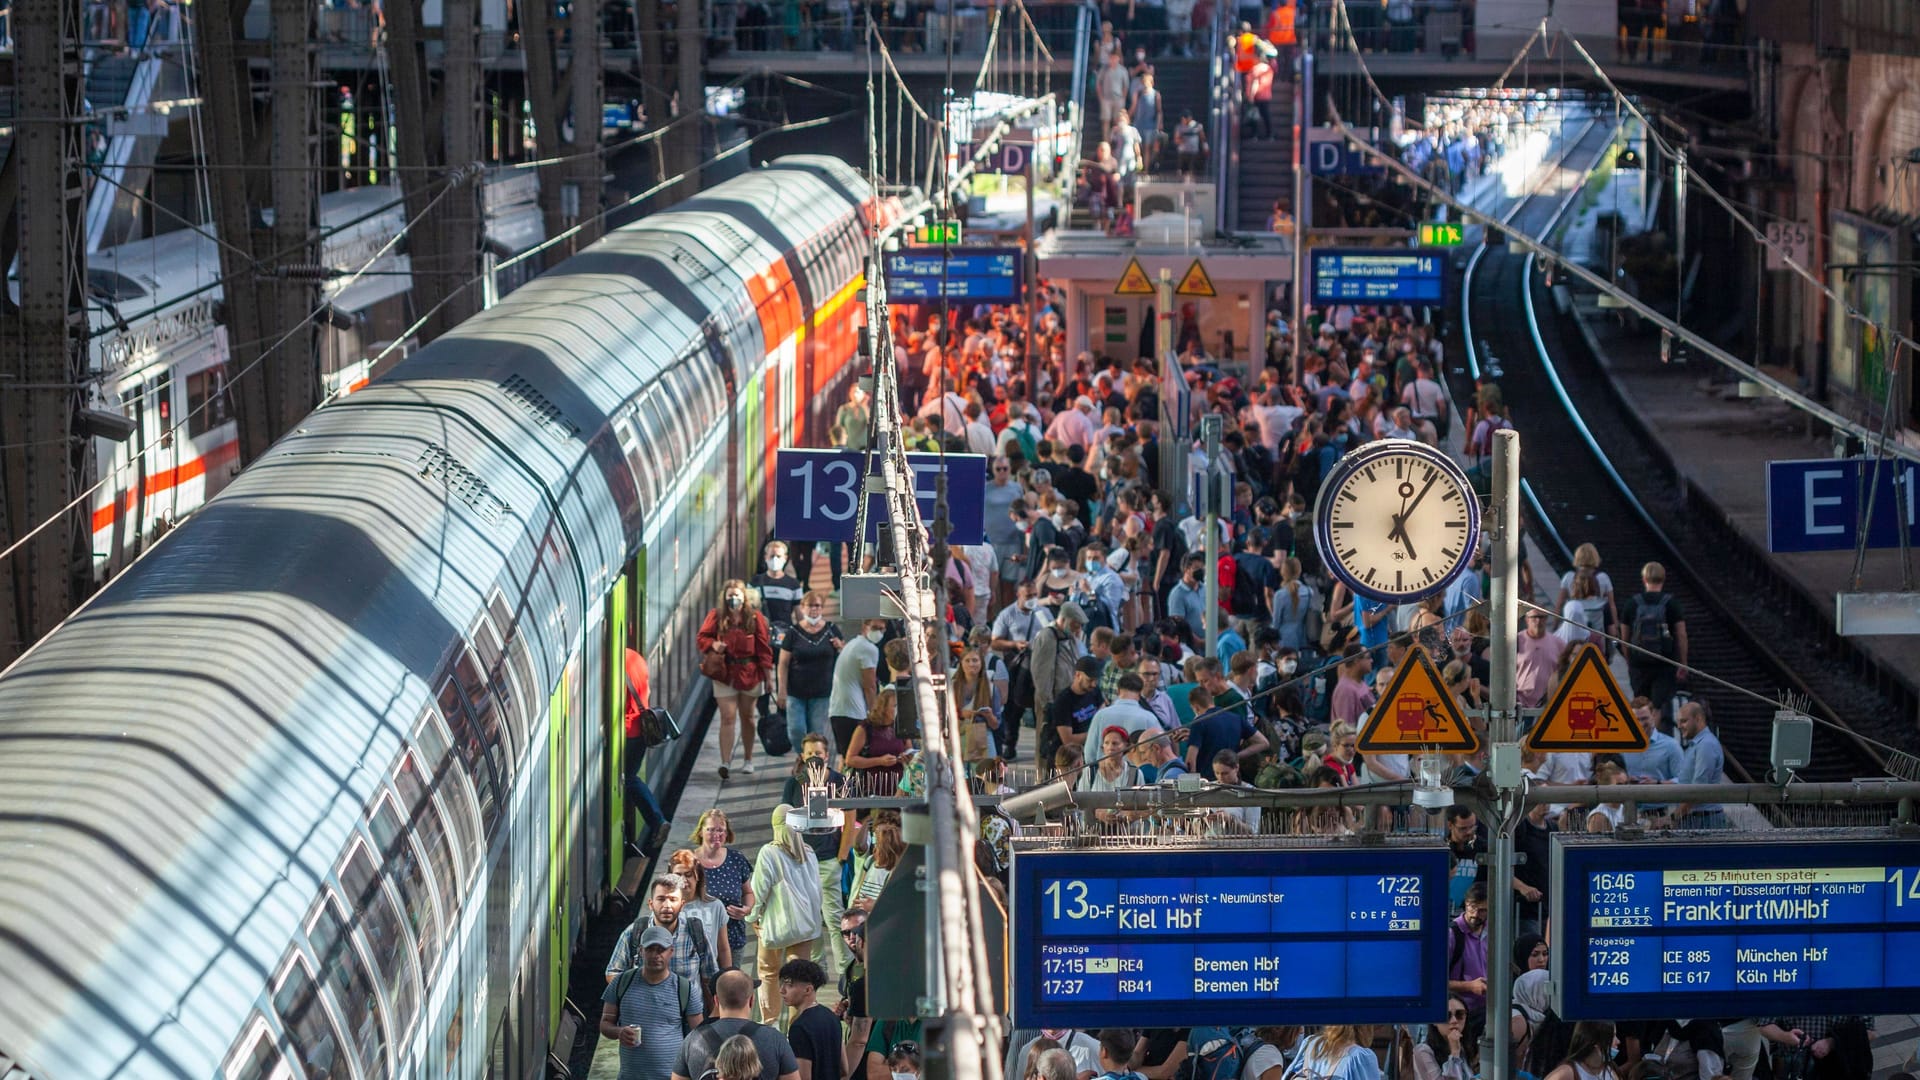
[(586, 71), (43, 352)]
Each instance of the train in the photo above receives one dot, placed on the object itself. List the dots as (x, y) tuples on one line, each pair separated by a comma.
[(326, 783), (159, 352)]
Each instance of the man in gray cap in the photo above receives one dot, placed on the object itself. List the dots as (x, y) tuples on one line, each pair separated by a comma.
[(1072, 708), (1053, 654), (649, 1010)]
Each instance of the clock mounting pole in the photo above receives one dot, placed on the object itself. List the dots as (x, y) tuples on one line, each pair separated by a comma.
[(1503, 512)]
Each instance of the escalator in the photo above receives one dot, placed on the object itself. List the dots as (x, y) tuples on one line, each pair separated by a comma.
[(131, 98)]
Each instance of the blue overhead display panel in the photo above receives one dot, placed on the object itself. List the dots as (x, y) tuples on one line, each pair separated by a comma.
[(978, 275), (816, 494), (1378, 276), (1158, 938), (1758, 927)]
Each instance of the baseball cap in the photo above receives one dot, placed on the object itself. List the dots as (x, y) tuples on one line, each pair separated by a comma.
[(1088, 665), (654, 935)]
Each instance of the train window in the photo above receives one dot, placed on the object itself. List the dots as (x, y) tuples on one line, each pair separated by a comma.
[(486, 642), (679, 404), (208, 404), (522, 661), (472, 751), (344, 972), (255, 1057), (409, 876), (380, 921), (425, 818), (432, 740), (459, 805), (666, 435), (636, 462), (310, 1030)]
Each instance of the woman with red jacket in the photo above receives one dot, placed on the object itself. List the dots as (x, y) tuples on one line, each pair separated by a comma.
[(736, 653)]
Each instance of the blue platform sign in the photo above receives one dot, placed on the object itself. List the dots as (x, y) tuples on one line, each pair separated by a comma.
[(1337, 157), (1817, 505), (978, 275), (1762, 926), (1378, 276), (816, 491), (1157, 938)]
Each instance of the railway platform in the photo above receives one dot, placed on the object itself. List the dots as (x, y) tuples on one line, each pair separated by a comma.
[(1718, 444)]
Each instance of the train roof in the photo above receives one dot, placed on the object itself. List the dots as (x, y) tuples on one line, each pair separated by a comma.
[(188, 756)]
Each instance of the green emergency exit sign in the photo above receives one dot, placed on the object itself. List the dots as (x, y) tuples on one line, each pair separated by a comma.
[(1441, 234), (940, 232)]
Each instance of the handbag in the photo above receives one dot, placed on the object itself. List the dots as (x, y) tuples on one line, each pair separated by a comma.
[(978, 744), (714, 666), (773, 733)]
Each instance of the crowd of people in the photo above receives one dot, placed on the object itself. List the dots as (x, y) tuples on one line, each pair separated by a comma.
[(1084, 619)]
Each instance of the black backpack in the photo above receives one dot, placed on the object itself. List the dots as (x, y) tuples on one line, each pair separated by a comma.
[(1019, 683), (1649, 630), (1248, 598)]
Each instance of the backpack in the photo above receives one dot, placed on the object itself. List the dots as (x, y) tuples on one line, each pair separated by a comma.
[(1029, 446), (1650, 625), (694, 930), (1019, 684), (1225, 1060), (655, 727), (1247, 597), (681, 983)]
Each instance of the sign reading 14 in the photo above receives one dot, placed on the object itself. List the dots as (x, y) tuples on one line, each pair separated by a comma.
[(1906, 885)]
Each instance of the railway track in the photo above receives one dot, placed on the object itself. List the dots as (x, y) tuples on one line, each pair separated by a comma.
[(1584, 458)]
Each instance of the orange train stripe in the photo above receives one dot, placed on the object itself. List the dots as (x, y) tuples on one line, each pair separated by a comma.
[(165, 480)]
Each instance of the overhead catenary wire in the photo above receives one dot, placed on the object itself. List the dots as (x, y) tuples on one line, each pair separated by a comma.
[(180, 425)]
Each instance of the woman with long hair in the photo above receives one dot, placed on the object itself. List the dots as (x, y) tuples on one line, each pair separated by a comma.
[(876, 750), (727, 872), (736, 654), (871, 874), (702, 905), (1297, 611), (1447, 1054), (972, 694), (737, 1059), (1339, 1052), (787, 916), (1590, 1055)]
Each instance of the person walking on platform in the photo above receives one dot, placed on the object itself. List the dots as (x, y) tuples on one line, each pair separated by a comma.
[(706, 1046), (693, 954), (1656, 628), (728, 872), (808, 652), (786, 916), (649, 1010), (736, 655), (701, 906), (830, 846), (814, 1032), (1701, 762)]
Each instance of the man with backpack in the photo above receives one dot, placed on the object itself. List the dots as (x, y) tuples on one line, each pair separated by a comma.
[(1654, 624), (733, 1015), (1467, 958), (649, 1009), (692, 952)]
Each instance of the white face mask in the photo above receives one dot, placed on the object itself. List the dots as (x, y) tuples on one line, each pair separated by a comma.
[(875, 635), (776, 563), (1026, 605), (812, 619), (1289, 666), (905, 1076), (734, 602)]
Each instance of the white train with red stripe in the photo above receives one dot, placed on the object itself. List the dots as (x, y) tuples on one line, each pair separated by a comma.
[(325, 783), (159, 355)]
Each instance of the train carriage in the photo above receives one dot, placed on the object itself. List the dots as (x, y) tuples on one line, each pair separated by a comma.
[(326, 784)]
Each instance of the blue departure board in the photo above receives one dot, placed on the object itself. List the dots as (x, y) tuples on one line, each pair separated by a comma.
[(1177, 938), (1378, 275), (1738, 927), (984, 275)]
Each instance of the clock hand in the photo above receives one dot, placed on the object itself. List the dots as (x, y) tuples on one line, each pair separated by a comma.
[(1404, 514)]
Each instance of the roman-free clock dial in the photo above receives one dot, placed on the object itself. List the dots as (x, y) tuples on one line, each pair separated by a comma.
[(1396, 520)]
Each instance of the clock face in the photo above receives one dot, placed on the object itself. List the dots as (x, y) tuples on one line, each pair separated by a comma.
[(1396, 520)]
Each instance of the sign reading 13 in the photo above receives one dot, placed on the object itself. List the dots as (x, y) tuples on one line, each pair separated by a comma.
[(1076, 904)]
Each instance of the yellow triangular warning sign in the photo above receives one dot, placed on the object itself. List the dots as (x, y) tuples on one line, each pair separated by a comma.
[(1588, 712), (1196, 282), (1135, 281), (1417, 713)]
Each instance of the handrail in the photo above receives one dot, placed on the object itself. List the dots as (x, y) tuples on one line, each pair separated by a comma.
[(1084, 26), (1223, 98)]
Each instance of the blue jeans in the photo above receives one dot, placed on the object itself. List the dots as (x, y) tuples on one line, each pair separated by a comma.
[(808, 715)]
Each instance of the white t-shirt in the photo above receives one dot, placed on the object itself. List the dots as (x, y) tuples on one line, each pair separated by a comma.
[(849, 695), (1265, 1056), (984, 561), (1084, 1048)]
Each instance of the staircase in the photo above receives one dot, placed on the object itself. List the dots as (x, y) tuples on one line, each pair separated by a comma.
[(1265, 165), (1182, 82), (121, 90)]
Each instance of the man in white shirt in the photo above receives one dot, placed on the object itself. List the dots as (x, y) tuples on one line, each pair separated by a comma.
[(1074, 426), (1275, 419), (1017, 623), (855, 682), (979, 432)]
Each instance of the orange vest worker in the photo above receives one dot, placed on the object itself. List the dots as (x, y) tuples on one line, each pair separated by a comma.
[(1245, 51), (1280, 26)]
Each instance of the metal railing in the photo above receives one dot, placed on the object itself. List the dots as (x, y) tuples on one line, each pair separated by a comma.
[(1442, 28), (907, 26)]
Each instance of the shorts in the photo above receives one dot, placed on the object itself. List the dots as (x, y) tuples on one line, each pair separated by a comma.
[(722, 691)]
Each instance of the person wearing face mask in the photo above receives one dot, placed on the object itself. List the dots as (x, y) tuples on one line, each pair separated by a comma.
[(736, 648), (805, 683), (856, 682), (1040, 535), (780, 589), (1187, 600), (1100, 584), (1056, 586)]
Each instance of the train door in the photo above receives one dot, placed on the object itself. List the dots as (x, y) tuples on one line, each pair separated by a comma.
[(559, 880)]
